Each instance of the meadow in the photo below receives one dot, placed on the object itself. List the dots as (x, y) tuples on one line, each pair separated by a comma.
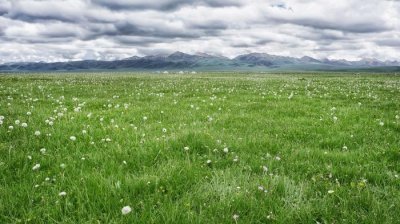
[(199, 148)]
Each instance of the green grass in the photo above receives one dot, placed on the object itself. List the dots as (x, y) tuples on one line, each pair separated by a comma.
[(125, 160)]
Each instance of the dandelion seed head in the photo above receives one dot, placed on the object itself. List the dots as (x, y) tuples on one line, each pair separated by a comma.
[(36, 167), (126, 210)]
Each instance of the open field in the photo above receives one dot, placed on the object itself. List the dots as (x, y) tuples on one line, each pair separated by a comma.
[(205, 148)]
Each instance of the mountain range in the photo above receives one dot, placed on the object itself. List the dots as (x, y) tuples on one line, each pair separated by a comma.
[(206, 62)]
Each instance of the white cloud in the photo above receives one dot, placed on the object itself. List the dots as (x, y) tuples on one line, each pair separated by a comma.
[(50, 30)]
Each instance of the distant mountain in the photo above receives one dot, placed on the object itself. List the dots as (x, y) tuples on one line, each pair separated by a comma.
[(262, 59), (203, 61), (307, 59)]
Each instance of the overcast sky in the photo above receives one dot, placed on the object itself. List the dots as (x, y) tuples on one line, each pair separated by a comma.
[(60, 30)]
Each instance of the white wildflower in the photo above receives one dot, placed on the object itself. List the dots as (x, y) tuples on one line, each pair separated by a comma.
[(126, 210), (36, 167)]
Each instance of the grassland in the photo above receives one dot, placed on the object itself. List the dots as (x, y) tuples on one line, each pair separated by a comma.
[(204, 148)]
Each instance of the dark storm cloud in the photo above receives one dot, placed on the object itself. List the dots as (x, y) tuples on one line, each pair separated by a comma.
[(134, 41), (389, 42), (38, 18), (131, 29), (210, 25), (162, 5), (3, 11), (53, 34), (263, 41), (361, 27), (4, 7), (242, 45)]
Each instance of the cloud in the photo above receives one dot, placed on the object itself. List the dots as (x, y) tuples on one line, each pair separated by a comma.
[(162, 5), (389, 42), (282, 6), (45, 10), (51, 30)]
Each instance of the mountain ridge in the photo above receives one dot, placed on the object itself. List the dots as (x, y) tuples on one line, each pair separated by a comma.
[(203, 61)]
